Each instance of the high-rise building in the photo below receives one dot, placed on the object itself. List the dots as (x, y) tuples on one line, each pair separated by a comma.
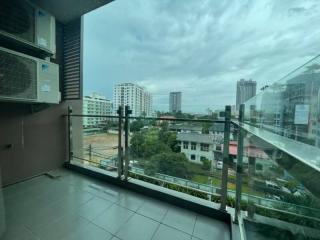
[(175, 102), (137, 98), (95, 104), (246, 89)]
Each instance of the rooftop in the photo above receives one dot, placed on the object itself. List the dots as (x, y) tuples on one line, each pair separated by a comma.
[(249, 151), (185, 127), (217, 127), (196, 137)]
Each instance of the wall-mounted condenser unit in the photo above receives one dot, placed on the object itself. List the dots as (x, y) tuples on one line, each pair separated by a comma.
[(25, 23), (28, 79)]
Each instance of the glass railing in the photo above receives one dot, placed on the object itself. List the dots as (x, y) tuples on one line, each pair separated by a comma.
[(272, 180), (281, 158), (184, 155), (291, 106), (95, 142), (284, 193)]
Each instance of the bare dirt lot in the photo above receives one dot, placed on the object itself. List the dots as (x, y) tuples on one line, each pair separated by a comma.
[(103, 145)]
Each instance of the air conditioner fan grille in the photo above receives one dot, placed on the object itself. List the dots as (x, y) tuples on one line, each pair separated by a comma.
[(18, 77), (17, 18)]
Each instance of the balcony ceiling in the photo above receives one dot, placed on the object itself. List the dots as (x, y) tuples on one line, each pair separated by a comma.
[(68, 10)]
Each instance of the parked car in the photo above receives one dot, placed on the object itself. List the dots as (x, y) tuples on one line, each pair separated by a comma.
[(219, 165), (272, 185)]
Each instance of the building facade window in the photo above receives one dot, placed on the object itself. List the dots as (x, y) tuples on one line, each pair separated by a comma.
[(185, 145), (193, 146), (193, 157), (204, 147)]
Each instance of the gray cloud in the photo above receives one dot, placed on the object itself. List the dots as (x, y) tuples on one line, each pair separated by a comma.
[(198, 47)]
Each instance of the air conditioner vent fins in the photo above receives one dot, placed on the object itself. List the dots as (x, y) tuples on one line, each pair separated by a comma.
[(17, 18), (18, 77)]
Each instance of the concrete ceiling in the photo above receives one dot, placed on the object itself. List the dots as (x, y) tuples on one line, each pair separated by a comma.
[(68, 10)]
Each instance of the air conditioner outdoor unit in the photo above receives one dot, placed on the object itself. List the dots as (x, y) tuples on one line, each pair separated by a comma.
[(24, 22), (27, 79)]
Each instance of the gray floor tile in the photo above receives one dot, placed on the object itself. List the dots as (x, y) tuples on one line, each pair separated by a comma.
[(43, 217), (18, 233), (153, 209), (109, 193), (208, 228), (93, 208), (164, 232), (131, 201), (181, 219), (75, 200), (38, 202), (138, 228), (74, 207), (113, 218), (61, 228), (67, 206), (89, 232)]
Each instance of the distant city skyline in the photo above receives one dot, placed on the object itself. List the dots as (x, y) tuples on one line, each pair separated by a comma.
[(201, 48), (246, 89), (175, 102)]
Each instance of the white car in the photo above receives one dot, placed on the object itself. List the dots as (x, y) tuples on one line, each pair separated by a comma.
[(219, 165)]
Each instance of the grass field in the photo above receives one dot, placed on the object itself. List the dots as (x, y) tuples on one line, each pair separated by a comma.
[(216, 182)]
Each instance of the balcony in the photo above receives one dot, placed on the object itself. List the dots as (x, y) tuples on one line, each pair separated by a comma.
[(66, 205), (254, 177)]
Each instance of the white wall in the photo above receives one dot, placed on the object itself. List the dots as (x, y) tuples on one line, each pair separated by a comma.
[(197, 152)]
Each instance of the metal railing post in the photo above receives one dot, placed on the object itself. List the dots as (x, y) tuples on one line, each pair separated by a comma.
[(90, 152), (70, 145), (226, 140), (120, 163), (239, 163), (253, 117), (126, 142)]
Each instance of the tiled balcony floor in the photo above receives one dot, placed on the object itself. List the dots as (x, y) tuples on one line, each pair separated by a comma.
[(77, 207)]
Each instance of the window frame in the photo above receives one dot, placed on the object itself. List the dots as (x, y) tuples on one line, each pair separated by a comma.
[(204, 147)]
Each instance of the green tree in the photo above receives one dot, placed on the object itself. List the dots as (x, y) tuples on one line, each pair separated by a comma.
[(135, 126), (206, 127), (137, 145), (170, 139), (206, 163), (164, 126), (147, 144), (169, 163)]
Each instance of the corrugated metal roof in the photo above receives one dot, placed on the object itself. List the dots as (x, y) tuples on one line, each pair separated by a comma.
[(196, 137), (185, 127), (217, 127)]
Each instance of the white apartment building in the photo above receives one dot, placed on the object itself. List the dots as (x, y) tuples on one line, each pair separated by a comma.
[(95, 104), (197, 146), (136, 97)]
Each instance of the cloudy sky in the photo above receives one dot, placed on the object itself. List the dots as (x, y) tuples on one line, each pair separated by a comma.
[(198, 47)]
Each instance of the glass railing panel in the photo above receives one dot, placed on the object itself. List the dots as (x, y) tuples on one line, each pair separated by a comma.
[(95, 142), (182, 155), (290, 107), (281, 194)]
